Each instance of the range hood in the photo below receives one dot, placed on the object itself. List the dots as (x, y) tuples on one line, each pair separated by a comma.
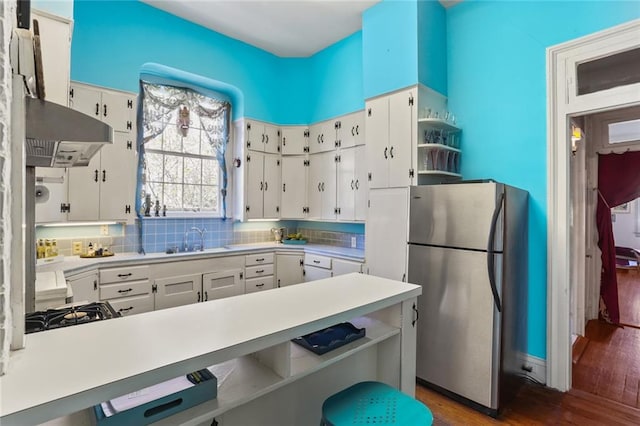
[(55, 136)]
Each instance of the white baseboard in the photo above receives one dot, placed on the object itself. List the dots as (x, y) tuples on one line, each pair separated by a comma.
[(537, 365)]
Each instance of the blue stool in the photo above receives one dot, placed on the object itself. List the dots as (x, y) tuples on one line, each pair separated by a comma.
[(374, 403)]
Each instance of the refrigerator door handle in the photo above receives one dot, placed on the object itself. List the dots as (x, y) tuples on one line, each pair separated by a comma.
[(491, 252)]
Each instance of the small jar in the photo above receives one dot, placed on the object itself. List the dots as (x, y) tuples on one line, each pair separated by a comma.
[(54, 248)]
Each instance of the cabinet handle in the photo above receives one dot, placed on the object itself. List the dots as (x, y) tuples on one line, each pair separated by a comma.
[(415, 320), (97, 109), (260, 260), (125, 291), (266, 186), (104, 110), (318, 138), (404, 276), (96, 175), (206, 296), (267, 139), (385, 153), (260, 285), (95, 284), (284, 141), (198, 296), (260, 271), (316, 261), (391, 152), (125, 309), (353, 130), (284, 187), (104, 175), (322, 186), (319, 187), (261, 185), (357, 129), (357, 184), (352, 184), (322, 138), (278, 282), (124, 275), (263, 138)]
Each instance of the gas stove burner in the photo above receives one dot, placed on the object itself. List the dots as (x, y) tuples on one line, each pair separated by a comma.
[(64, 317)]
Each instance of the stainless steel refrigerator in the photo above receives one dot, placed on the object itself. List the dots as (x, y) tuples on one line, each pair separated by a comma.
[(468, 250)]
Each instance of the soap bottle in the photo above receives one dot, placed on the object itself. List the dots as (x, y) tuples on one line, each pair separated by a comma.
[(47, 248), (54, 248), (40, 249), (90, 250)]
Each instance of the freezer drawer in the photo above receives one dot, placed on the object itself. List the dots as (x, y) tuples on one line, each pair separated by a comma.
[(458, 326), (456, 215)]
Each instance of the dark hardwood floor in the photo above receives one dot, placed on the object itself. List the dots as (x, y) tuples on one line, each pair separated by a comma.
[(606, 380)]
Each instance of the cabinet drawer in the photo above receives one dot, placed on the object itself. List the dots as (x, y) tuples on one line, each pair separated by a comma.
[(258, 284), (259, 271), (318, 261), (258, 259), (133, 288), (131, 273), (133, 305)]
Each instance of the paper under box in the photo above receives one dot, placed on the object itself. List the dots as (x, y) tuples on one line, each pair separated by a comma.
[(160, 408)]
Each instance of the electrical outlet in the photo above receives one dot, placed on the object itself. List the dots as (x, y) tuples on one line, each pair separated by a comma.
[(77, 247), (104, 229), (353, 242)]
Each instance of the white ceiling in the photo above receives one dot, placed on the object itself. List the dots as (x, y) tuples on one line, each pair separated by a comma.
[(286, 28)]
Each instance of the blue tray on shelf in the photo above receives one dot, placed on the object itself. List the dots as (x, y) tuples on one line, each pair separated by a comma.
[(330, 338), (294, 241)]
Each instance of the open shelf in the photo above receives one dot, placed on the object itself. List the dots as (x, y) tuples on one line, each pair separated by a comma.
[(437, 123), (437, 145), (250, 379), (438, 172)]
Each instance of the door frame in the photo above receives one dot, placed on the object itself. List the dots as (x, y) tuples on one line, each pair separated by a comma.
[(562, 104)]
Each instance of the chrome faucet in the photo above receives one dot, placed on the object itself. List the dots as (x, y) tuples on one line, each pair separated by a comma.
[(199, 231)]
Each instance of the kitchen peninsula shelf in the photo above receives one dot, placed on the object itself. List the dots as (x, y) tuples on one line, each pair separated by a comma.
[(438, 172), (438, 145), (251, 378), (270, 373), (439, 124)]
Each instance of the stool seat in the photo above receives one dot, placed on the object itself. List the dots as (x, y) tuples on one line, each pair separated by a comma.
[(374, 403)]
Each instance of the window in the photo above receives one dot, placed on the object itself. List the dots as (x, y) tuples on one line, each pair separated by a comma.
[(182, 171), (182, 153)]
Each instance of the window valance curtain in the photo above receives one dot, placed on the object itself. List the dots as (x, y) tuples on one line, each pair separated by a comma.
[(159, 106), (618, 183)]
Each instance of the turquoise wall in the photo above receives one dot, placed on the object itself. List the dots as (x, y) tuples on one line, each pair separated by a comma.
[(389, 46), (497, 88), (57, 7), (336, 75), (432, 46), (112, 39)]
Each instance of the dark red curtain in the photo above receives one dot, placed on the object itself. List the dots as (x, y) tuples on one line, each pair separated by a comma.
[(618, 183)]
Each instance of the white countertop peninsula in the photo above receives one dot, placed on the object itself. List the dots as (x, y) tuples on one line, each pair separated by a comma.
[(67, 370)]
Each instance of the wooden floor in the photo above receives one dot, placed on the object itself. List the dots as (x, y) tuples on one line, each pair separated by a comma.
[(606, 380)]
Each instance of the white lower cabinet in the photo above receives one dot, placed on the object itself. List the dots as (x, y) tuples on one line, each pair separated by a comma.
[(342, 267), (133, 305), (289, 269), (128, 289), (258, 272), (316, 267), (216, 285), (84, 287), (177, 291), (258, 284)]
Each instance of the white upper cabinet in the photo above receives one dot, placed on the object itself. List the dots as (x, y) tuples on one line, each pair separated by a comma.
[(262, 137), (262, 186), (352, 184), (321, 188), (351, 130), (294, 187), (293, 140), (322, 136), (391, 142), (105, 190)]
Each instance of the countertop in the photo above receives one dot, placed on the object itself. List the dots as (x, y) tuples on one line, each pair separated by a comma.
[(74, 264), (77, 367)]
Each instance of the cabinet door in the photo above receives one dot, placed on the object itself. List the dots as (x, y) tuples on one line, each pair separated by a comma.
[(255, 185), (400, 138), (271, 138), (377, 124), (253, 135), (312, 273), (217, 285), (53, 185), (293, 140), (118, 111), (361, 184), (346, 187), (294, 188), (178, 291), (55, 42), (386, 233), (271, 186), (314, 187), (84, 287), (117, 179), (328, 187), (126, 306), (289, 269), (84, 191), (87, 100), (351, 130), (322, 136), (341, 267)]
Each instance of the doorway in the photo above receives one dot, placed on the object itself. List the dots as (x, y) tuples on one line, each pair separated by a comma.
[(566, 100)]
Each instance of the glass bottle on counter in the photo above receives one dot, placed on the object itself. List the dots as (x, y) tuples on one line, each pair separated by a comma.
[(54, 248), (40, 250), (47, 248)]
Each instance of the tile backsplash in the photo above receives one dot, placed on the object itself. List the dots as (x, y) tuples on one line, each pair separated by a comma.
[(163, 233)]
